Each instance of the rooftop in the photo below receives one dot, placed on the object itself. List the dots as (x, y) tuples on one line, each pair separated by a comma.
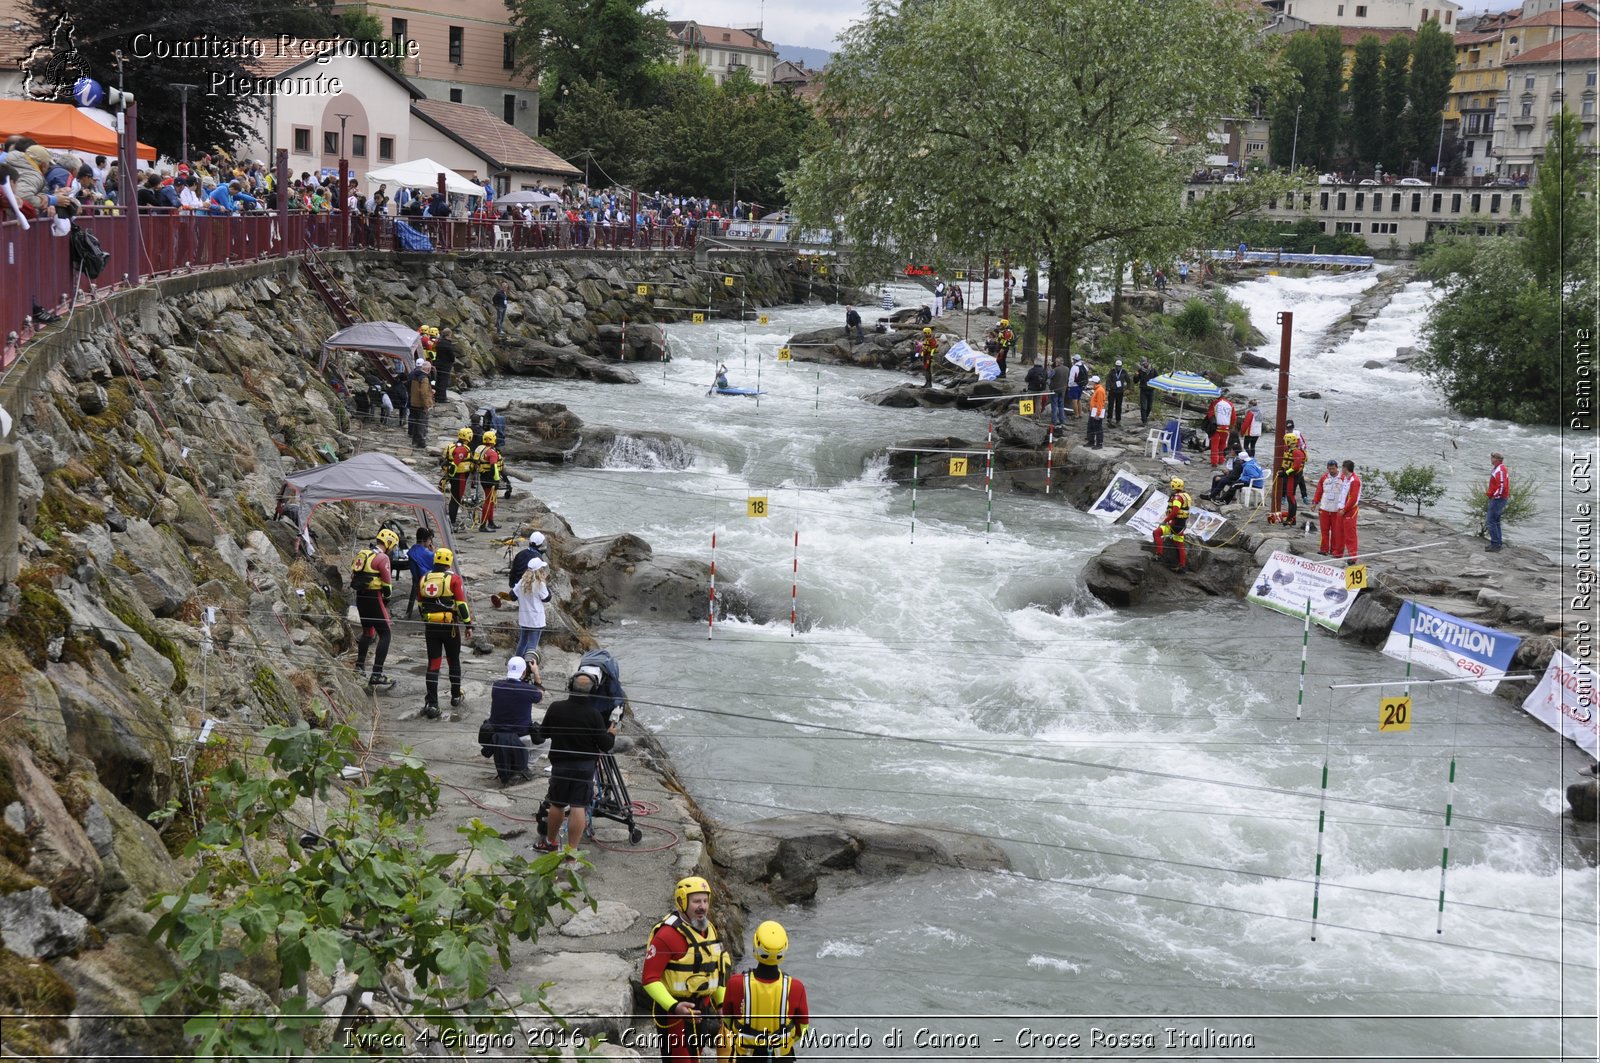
[(505, 145), (1578, 48), (698, 35)]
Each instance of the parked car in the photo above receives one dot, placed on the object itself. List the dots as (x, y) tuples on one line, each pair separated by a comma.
[(1233, 178), (1368, 182), (1328, 179), (1414, 182)]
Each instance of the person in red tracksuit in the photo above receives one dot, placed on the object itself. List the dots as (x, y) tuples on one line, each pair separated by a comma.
[(1352, 510), (1330, 510), (1222, 423), (1497, 494)]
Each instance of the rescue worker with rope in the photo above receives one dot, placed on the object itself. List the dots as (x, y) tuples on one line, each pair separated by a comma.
[(684, 971), (442, 600), (1177, 517), (372, 577), (1008, 343), (491, 469), (927, 347), (456, 463), (1291, 475), (765, 1011)]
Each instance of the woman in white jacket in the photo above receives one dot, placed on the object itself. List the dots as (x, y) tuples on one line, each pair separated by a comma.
[(531, 592)]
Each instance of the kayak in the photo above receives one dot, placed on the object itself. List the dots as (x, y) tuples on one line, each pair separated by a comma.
[(735, 391)]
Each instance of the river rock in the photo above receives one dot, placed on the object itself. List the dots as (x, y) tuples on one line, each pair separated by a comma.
[(901, 396), (1372, 363), (1255, 361), (595, 985), (560, 363), (1584, 797), (1016, 430), (607, 917), (1310, 394), (1116, 575), (61, 856)]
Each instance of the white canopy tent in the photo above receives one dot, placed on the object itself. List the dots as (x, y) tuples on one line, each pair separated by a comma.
[(424, 174), (389, 338), (370, 478)]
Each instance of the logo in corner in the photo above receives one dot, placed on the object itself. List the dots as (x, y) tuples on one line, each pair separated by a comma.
[(53, 63)]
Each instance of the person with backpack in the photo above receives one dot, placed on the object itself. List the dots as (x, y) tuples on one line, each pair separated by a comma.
[(511, 702), (1007, 339), (491, 470), (372, 578), (532, 591), (579, 732), (442, 601), (456, 462), (1077, 377)]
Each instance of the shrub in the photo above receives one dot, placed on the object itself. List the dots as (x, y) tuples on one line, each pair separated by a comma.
[(1520, 505), (1195, 321), (1415, 484)]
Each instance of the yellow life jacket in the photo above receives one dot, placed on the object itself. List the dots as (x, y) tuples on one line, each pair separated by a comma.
[(765, 1026), (457, 458), (488, 460), (1178, 505), (435, 599), (364, 574), (698, 973)]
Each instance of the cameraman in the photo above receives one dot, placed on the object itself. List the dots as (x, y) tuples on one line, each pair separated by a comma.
[(579, 733), (511, 702)]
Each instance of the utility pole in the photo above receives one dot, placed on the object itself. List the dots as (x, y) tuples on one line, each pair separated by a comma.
[(1294, 147), (344, 186), (587, 152), (1438, 174), (735, 204), (183, 107)]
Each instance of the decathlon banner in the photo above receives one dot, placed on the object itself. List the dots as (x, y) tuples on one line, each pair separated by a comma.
[(1119, 496), (1451, 645), (1287, 581), (1564, 701)]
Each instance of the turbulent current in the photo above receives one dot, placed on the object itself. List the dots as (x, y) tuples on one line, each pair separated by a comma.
[(1145, 771)]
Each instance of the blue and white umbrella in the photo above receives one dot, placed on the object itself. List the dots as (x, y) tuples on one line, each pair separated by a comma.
[(1185, 384)]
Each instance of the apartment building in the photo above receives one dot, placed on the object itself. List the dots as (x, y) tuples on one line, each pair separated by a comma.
[(721, 50), (1539, 84), (1370, 14), (1479, 81)]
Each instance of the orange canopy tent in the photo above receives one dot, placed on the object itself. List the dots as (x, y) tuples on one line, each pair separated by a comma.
[(58, 126)]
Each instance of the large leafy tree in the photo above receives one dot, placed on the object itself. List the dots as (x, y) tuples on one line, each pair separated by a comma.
[(1310, 102), (1366, 101), (1395, 89), (1433, 64), (1046, 128), (1558, 231), (87, 34), (563, 42)]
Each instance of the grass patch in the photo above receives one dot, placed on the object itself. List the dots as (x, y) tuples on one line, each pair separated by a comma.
[(280, 706), (34, 1003)]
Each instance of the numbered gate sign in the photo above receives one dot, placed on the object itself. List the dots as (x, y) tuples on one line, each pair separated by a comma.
[(762, 320), (1355, 578), (1394, 714), (698, 319), (784, 355), (961, 274), (755, 506), (641, 289), (958, 466), (727, 282), (822, 270), (1025, 407)]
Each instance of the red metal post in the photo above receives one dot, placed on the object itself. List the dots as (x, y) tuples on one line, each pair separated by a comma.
[(127, 198), (344, 201), (1005, 286), (986, 280), (280, 182), (1286, 322)]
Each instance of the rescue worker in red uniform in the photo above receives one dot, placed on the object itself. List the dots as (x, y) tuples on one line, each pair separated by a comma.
[(1329, 498), (1221, 414), (373, 579), (1291, 475), (1172, 525), (1008, 343), (456, 463), (927, 347), (685, 968), (765, 1011), (442, 600), (1352, 510), (491, 468)]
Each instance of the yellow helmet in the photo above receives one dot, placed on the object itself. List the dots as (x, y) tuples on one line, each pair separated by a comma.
[(688, 887), (490, 437), (388, 539), (444, 556), (1291, 438), (771, 941), (1176, 484), (433, 330), (464, 435), (927, 332), (1005, 321)]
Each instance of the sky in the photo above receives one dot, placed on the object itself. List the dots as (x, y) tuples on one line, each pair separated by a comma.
[(814, 23)]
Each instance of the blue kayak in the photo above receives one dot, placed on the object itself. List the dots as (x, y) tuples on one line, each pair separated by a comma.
[(735, 391)]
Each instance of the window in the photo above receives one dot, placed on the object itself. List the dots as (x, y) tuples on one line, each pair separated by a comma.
[(386, 148), (508, 108), (358, 145), (302, 140), (1488, 124), (1394, 203), (1343, 199), (1477, 202), (397, 28), (1324, 201), (1347, 227), (456, 33), (1340, 13), (330, 142), (1361, 200), (1447, 16), (1516, 204), (1494, 203), (1361, 11), (1438, 202), (1527, 82), (1455, 203), (1377, 203), (508, 52), (1527, 110), (1424, 16), (1588, 108), (455, 95), (1416, 202), (1589, 79)]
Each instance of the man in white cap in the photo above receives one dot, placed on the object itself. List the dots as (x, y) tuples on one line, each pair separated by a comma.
[(1117, 386), (511, 702), (1097, 414), (421, 402)]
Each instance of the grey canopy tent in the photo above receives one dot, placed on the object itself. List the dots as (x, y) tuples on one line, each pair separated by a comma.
[(370, 478), (377, 340), (529, 197)]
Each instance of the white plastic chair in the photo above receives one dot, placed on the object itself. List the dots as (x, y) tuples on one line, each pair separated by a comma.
[(502, 238), (1158, 441), (1252, 496)]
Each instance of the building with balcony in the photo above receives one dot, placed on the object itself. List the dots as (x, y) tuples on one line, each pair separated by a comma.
[(1366, 14), (466, 54), (1478, 82), (721, 50), (1539, 85)]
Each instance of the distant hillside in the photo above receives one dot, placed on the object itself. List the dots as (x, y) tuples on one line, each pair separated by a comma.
[(814, 58)]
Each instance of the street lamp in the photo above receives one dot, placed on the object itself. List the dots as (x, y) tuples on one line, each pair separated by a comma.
[(1294, 148), (344, 186), (734, 206), (1439, 155), (183, 107)]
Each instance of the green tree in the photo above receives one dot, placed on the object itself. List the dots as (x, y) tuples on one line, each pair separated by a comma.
[(592, 118), (1366, 101), (1031, 133), (1416, 484), (563, 42), (1433, 64), (1329, 131), (1557, 227), (1521, 505), (1311, 101), (1395, 88), (305, 874)]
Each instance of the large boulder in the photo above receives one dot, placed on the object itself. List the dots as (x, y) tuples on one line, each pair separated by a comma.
[(61, 856), (560, 363), (33, 925), (1016, 430)]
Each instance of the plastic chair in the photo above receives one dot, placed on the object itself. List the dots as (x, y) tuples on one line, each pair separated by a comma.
[(1158, 440), (1252, 496), (502, 238)]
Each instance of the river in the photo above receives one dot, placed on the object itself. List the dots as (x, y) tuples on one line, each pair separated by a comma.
[(1146, 771)]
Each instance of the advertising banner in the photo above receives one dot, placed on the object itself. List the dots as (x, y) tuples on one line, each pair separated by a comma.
[(1451, 645), (1148, 516), (1118, 497), (1564, 701), (1203, 524), (1287, 581)]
